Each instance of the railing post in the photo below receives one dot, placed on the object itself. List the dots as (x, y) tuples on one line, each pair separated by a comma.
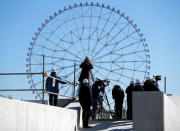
[(165, 85), (43, 79), (74, 79)]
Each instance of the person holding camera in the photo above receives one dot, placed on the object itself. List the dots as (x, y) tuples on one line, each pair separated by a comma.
[(97, 87), (129, 90), (151, 84), (86, 67), (85, 99), (118, 96), (52, 86)]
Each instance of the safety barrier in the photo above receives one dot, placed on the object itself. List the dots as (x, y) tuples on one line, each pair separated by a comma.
[(17, 115)]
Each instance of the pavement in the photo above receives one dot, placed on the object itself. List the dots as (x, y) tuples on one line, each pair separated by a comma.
[(109, 126)]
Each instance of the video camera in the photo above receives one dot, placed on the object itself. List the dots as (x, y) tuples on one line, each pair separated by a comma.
[(157, 77), (103, 83)]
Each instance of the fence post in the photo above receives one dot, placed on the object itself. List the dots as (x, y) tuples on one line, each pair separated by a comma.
[(43, 79), (165, 84), (74, 79)]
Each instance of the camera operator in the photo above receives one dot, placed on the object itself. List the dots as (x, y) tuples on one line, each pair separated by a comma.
[(97, 87), (152, 84)]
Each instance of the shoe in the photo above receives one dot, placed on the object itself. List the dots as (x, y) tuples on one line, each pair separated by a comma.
[(87, 126)]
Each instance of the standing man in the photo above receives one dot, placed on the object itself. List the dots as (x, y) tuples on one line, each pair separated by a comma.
[(138, 86), (118, 96), (96, 88), (85, 99), (85, 72), (151, 85), (129, 90), (147, 83), (52, 86)]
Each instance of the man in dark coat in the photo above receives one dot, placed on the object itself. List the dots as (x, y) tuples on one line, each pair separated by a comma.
[(151, 85), (129, 90), (96, 88), (118, 96), (138, 86), (147, 84), (85, 99), (52, 86), (85, 72)]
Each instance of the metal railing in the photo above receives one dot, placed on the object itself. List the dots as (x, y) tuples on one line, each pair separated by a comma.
[(44, 74)]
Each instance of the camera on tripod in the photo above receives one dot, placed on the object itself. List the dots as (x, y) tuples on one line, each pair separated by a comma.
[(103, 83), (157, 77)]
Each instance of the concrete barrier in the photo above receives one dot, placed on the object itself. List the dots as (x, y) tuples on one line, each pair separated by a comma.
[(155, 111), (75, 105), (16, 115)]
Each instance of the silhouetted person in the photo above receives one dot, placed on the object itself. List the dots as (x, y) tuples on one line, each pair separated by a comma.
[(52, 86), (86, 67), (96, 88), (129, 90), (85, 99), (138, 86), (118, 96), (147, 84), (151, 85)]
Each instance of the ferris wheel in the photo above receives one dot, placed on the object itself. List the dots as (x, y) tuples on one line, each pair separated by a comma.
[(116, 46)]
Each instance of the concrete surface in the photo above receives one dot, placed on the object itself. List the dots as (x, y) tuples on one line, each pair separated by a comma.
[(155, 111), (16, 115), (109, 126), (75, 105), (148, 111), (171, 113)]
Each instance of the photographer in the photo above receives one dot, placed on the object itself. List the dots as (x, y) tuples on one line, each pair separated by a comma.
[(152, 84), (97, 87), (85, 72)]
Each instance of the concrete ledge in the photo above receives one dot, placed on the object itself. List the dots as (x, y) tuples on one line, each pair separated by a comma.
[(16, 115), (75, 105), (155, 111), (148, 111)]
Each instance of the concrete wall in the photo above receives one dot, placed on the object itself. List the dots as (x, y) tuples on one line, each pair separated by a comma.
[(172, 113), (148, 111), (18, 115), (75, 105), (154, 111)]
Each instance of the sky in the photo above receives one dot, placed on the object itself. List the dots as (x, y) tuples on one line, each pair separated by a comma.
[(158, 20)]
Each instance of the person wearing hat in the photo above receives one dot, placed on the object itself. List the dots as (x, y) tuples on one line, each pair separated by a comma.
[(52, 86), (96, 88), (147, 83), (151, 85), (138, 86), (129, 90), (86, 67), (118, 96), (85, 99)]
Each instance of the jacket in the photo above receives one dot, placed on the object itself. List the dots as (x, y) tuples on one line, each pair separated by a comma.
[(53, 88), (85, 95), (85, 73)]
